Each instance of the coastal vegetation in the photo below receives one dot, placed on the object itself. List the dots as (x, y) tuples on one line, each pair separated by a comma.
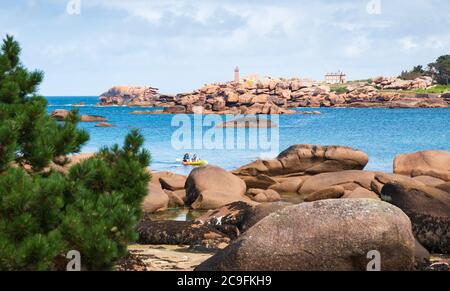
[(438, 70), (47, 209)]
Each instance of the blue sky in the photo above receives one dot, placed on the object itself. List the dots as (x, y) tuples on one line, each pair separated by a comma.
[(179, 45)]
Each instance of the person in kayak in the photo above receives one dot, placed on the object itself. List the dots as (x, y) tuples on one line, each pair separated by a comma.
[(186, 158), (194, 158)]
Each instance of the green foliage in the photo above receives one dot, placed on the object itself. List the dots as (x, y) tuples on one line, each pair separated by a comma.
[(339, 90), (441, 69), (44, 214), (438, 89), (415, 73)]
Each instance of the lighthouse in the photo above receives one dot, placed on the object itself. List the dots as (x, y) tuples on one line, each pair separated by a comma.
[(237, 78)]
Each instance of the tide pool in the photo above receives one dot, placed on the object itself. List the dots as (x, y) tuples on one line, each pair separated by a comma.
[(381, 133)]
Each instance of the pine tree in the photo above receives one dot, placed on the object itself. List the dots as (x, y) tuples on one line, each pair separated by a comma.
[(45, 213)]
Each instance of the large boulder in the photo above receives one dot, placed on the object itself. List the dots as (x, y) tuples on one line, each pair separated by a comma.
[(211, 187), (173, 182), (349, 180), (305, 160), (156, 200), (427, 163), (328, 235), (260, 211), (429, 211)]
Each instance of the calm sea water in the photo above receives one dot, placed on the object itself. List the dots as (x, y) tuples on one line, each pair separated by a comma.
[(381, 133)]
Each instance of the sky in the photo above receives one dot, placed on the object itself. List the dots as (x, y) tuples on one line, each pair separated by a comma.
[(87, 46)]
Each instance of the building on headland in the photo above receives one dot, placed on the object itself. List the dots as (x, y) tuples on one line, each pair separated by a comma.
[(336, 78), (237, 77)]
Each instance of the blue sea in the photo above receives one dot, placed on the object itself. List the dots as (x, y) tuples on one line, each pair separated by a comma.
[(381, 133)]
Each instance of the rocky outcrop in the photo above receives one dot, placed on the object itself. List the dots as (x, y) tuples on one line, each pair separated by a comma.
[(429, 210), (294, 239), (400, 84), (302, 160), (211, 187), (277, 96), (130, 96), (62, 114)]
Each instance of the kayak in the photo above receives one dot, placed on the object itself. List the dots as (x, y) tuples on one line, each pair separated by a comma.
[(198, 163)]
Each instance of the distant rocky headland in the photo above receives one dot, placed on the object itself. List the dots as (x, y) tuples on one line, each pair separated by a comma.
[(280, 96)]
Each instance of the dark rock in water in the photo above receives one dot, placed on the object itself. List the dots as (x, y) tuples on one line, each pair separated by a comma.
[(227, 218), (429, 211), (181, 233), (328, 235)]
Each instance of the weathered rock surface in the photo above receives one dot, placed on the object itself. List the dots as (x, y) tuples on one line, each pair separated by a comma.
[(129, 95), (294, 239), (211, 187), (262, 196), (361, 193), (302, 160), (156, 200), (333, 192), (426, 163), (429, 211), (348, 180), (173, 182)]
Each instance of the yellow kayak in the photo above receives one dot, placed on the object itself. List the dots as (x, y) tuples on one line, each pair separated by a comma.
[(197, 163)]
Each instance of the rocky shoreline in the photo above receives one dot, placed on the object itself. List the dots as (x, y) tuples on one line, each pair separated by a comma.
[(279, 96), (346, 212)]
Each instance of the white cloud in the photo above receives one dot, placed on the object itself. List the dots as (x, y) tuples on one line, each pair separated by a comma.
[(408, 43), (357, 46)]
